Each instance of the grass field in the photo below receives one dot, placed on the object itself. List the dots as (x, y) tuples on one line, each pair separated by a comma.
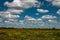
[(29, 34)]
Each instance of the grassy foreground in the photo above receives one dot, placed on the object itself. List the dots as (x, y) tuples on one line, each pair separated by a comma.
[(29, 34)]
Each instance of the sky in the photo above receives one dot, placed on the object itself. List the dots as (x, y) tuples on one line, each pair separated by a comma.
[(30, 13)]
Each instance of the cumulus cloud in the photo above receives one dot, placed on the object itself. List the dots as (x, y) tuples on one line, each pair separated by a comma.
[(54, 2), (48, 17), (33, 24), (22, 3), (1, 19), (15, 8), (58, 12), (52, 21), (26, 23), (9, 11), (12, 20), (42, 10), (53, 24), (14, 11), (29, 18), (8, 15), (12, 16), (7, 22), (15, 3)]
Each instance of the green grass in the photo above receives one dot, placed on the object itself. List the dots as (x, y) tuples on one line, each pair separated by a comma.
[(29, 34)]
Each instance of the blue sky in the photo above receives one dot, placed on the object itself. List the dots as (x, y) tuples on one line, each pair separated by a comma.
[(30, 13)]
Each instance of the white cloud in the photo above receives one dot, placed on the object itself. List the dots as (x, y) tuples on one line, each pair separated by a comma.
[(39, 19), (37, 4), (22, 3), (56, 3), (24, 23), (12, 16), (21, 22), (58, 12), (8, 15), (14, 11), (12, 20), (29, 18), (15, 3), (7, 22), (11, 13), (48, 17), (14, 8), (42, 10), (37, 23), (32, 24), (54, 22), (1, 20)]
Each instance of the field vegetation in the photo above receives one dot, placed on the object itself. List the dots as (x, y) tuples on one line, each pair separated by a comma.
[(29, 34)]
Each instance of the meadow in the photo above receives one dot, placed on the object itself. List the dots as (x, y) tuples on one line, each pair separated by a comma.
[(29, 34)]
